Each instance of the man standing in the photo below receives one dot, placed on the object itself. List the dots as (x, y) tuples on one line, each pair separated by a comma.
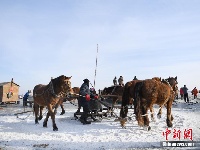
[(84, 99), (25, 98), (121, 81), (115, 81), (185, 92)]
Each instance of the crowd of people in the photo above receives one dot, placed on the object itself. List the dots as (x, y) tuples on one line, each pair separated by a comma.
[(120, 81), (184, 93)]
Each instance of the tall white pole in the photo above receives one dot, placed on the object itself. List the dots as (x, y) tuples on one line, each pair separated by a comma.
[(95, 74)]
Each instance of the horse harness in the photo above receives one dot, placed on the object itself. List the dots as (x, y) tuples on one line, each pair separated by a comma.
[(51, 90)]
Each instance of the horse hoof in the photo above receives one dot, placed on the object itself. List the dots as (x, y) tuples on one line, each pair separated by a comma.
[(147, 128), (123, 127), (169, 123), (45, 125), (63, 112), (40, 117), (55, 129), (159, 116), (36, 121)]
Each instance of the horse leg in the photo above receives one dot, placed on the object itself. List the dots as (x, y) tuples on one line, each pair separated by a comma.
[(145, 118), (46, 119), (152, 113), (41, 116), (139, 116), (172, 118), (63, 110), (55, 108), (169, 115), (159, 112), (50, 112), (123, 114), (36, 110)]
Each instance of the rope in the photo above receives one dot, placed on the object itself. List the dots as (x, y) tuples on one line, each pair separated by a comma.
[(25, 117)]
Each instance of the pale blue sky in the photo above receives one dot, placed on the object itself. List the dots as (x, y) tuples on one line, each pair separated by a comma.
[(40, 39)]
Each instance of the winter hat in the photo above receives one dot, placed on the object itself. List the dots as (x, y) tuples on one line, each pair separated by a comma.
[(86, 81)]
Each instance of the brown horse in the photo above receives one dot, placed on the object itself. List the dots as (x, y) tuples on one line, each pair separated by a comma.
[(150, 92), (115, 92), (129, 92), (50, 95), (173, 82), (128, 96), (128, 99)]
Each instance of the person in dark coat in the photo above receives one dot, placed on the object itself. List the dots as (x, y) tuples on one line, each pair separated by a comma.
[(84, 99), (115, 81), (25, 98), (185, 94), (121, 81), (135, 78)]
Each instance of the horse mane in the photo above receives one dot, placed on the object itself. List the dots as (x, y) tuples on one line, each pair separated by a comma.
[(156, 78)]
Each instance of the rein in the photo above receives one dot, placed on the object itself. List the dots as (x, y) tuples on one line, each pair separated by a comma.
[(113, 89)]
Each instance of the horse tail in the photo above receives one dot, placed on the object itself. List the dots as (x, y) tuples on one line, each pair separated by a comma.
[(137, 99), (126, 95), (125, 101)]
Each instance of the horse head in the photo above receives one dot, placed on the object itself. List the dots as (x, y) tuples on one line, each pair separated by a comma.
[(62, 84), (173, 82), (105, 91)]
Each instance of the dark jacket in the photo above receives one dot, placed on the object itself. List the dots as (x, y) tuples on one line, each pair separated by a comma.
[(84, 89), (185, 90)]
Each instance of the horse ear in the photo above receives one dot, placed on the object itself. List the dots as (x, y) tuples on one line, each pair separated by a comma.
[(176, 78)]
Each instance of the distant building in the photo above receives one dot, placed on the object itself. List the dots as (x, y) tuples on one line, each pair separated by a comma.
[(9, 92)]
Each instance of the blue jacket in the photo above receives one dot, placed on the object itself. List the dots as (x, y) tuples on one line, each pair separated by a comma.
[(26, 96)]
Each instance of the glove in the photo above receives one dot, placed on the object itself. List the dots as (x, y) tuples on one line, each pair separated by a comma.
[(96, 97), (87, 97)]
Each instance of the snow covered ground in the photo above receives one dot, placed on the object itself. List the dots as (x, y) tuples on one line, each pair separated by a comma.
[(22, 133)]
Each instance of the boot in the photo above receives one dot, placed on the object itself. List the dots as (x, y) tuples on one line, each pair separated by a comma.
[(83, 119), (86, 122)]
